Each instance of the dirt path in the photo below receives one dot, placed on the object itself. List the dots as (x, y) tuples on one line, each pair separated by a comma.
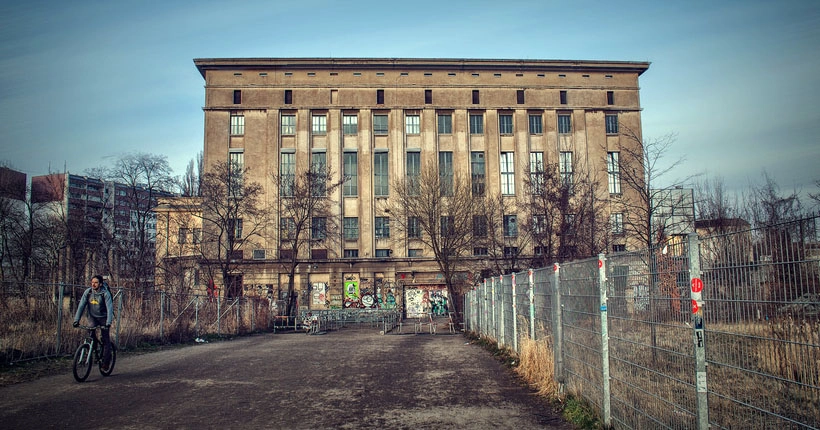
[(352, 378)]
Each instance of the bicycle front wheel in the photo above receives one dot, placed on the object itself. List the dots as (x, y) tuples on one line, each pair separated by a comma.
[(107, 372), (82, 362)]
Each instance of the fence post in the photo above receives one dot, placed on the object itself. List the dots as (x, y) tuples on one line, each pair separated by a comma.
[(59, 317), (557, 330), (532, 303), (196, 316), (161, 315), (697, 333), (494, 331), (606, 394), (514, 317), (502, 328)]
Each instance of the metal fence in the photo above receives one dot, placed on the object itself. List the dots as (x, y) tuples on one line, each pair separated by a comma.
[(720, 331), (35, 319)]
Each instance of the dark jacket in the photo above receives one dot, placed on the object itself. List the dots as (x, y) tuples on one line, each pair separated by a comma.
[(100, 306)]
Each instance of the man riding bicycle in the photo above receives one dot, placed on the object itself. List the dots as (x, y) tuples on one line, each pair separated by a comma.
[(100, 313)]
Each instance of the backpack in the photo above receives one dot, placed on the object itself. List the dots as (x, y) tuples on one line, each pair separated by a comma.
[(105, 287)]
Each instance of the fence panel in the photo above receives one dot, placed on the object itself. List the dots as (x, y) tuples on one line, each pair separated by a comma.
[(762, 327)]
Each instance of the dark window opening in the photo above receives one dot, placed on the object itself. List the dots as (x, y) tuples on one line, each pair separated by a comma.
[(519, 95), (428, 97), (288, 97), (610, 97), (379, 97), (563, 97), (237, 97), (475, 97)]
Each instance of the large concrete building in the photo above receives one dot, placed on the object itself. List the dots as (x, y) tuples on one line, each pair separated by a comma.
[(373, 120)]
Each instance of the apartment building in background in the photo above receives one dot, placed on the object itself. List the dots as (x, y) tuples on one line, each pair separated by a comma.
[(374, 120), (100, 226)]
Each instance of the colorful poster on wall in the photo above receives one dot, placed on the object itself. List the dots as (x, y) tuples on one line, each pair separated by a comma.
[(319, 293), (351, 292), (426, 300)]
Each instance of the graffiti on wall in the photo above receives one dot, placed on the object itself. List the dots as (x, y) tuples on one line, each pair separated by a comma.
[(426, 299), (319, 293), (351, 292)]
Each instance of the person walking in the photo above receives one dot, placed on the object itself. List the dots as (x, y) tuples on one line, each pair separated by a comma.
[(100, 313)]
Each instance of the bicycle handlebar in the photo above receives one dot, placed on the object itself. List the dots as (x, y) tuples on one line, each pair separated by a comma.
[(83, 327)]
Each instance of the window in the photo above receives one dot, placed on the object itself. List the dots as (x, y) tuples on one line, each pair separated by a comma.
[(539, 225), (318, 167), (537, 172), (507, 174), (412, 124), (351, 174), (350, 124), (477, 173), (476, 124), (413, 172), (510, 225), (380, 124), (428, 97), (288, 97), (478, 251), (535, 124), (287, 227), (505, 124), (196, 236), (382, 227), (414, 253), (288, 124), (565, 168), (351, 228), (237, 124), (445, 172), (413, 228), (351, 253), (519, 96), (379, 97), (235, 228), (383, 253), (564, 123), (237, 97), (287, 171), (610, 97), (612, 124), (237, 172), (618, 248), (318, 228), (613, 170), (617, 221), (510, 251), (447, 224), (479, 225), (568, 229), (475, 97), (445, 123), (319, 124), (381, 179), (563, 97), (183, 236)]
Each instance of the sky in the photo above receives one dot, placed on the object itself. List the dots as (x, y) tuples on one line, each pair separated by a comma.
[(736, 82)]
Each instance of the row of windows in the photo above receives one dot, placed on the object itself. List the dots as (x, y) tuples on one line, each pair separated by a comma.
[(381, 227), (412, 124), (381, 172), (428, 97)]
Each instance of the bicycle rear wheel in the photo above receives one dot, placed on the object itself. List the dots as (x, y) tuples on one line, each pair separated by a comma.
[(82, 362), (110, 365)]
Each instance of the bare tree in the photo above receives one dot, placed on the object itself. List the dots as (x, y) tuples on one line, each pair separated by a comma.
[(566, 214), (506, 240), (643, 170), (306, 218), (441, 209), (233, 216), (190, 183), (143, 178)]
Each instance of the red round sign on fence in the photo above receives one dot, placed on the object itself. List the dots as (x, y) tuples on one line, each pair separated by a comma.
[(697, 285), (600, 264), (695, 307), (555, 267)]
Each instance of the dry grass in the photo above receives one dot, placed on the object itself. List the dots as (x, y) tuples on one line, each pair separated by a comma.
[(536, 365)]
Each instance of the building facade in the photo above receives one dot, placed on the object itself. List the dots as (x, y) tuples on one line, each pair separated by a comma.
[(376, 120)]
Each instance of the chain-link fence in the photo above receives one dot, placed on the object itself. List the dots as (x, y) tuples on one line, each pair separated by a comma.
[(721, 331)]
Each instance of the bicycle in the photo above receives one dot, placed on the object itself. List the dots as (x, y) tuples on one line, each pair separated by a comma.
[(89, 352)]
